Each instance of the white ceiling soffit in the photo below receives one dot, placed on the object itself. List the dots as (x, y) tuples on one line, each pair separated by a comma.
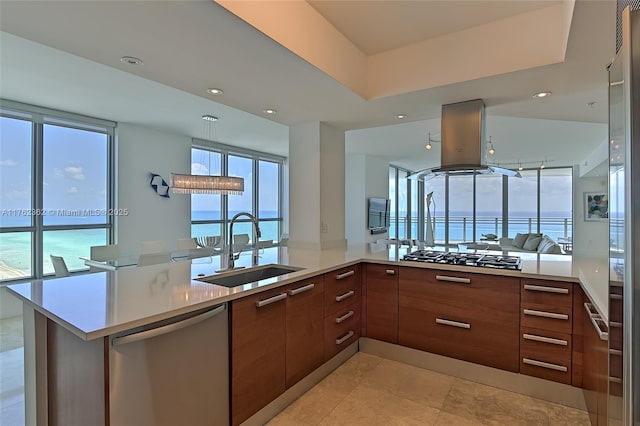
[(521, 41), (525, 140), (36, 74)]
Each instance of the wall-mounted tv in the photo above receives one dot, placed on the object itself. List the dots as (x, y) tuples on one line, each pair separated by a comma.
[(379, 214)]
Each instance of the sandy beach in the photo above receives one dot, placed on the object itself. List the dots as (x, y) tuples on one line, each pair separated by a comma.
[(7, 272)]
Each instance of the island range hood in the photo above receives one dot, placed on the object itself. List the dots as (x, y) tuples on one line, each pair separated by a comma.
[(463, 143)]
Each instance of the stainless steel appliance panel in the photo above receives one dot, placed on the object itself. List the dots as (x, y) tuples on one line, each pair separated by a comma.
[(174, 373)]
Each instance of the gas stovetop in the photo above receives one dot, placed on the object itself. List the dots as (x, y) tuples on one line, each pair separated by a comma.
[(468, 259)]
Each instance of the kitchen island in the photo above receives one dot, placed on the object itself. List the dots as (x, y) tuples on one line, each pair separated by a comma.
[(95, 306)]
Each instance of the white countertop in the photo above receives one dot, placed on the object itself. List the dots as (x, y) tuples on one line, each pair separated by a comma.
[(96, 305)]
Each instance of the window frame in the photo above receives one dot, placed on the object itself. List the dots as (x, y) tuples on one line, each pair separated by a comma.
[(536, 225), (39, 117), (255, 156)]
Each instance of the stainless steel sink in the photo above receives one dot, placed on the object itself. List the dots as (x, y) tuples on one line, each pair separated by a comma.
[(236, 278)]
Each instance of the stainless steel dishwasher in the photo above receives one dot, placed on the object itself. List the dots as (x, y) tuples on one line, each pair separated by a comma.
[(172, 372)]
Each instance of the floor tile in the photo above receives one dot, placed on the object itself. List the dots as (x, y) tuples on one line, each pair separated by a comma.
[(446, 419), (11, 377), (369, 407), (492, 406), (559, 415), (409, 382), (11, 336), (283, 419), (12, 415)]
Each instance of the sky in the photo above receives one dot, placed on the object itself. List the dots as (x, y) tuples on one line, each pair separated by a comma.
[(74, 168)]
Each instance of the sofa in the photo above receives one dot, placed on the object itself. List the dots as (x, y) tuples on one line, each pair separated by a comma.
[(531, 243)]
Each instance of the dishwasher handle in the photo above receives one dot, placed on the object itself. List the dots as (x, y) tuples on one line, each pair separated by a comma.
[(147, 334)]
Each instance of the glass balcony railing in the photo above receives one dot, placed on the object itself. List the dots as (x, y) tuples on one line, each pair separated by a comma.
[(461, 227)]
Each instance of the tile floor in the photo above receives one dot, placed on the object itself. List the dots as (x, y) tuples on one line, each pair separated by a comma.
[(368, 390), (11, 372)]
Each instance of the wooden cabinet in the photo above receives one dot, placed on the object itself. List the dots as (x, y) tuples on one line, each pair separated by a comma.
[(382, 302), (595, 368), (304, 329), (258, 351), (277, 339), (546, 329), (342, 308), (473, 317)]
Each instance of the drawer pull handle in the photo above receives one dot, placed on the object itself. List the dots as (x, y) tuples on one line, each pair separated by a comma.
[(546, 289), (543, 339), (345, 296), (302, 289), (345, 275), (596, 319), (390, 272), (545, 365), (344, 317), (265, 302), (344, 338), (546, 314), (453, 279), (453, 323)]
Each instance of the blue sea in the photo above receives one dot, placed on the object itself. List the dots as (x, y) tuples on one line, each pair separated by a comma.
[(15, 247), (554, 224)]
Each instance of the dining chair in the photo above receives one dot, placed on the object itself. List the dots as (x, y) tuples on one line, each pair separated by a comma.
[(106, 252), (153, 247), (240, 240), (186, 243), (153, 258), (59, 266)]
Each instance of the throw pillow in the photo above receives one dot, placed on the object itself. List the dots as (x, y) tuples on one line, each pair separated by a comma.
[(519, 240), (545, 243), (552, 249), (532, 243)]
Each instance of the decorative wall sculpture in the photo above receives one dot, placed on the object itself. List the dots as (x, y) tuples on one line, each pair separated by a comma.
[(159, 185)]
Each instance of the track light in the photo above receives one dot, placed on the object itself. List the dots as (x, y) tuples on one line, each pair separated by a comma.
[(491, 149)]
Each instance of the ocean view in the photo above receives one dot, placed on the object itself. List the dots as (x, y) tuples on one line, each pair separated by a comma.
[(15, 248)]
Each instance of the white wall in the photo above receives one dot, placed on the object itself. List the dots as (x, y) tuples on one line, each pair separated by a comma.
[(332, 187), (589, 238), (366, 176), (316, 186), (140, 151)]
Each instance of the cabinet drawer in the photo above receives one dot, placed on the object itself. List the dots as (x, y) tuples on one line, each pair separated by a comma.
[(546, 345), (341, 329), (474, 296), (461, 337), (552, 293), (558, 370), (341, 288), (547, 317)]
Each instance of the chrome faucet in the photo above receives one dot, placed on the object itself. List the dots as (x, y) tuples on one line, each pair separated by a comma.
[(232, 256)]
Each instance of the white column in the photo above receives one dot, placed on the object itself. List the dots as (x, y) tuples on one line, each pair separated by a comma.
[(316, 186)]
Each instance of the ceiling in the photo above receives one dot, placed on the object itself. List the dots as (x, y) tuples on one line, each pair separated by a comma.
[(66, 55)]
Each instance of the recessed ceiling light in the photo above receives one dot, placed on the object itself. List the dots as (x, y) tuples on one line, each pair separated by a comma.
[(542, 94), (214, 91), (208, 117), (130, 60), (269, 111), (401, 116)]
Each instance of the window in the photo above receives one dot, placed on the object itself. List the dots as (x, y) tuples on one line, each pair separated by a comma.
[(406, 208), (262, 173), (55, 189), (464, 208)]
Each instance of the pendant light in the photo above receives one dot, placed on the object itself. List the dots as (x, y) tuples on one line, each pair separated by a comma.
[(204, 184)]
